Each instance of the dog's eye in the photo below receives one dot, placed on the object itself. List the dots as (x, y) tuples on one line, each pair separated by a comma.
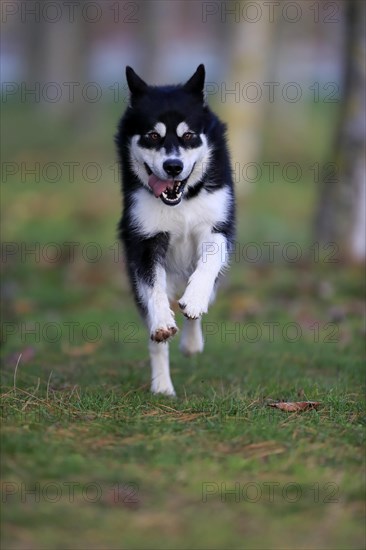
[(154, 136), (187, 136)]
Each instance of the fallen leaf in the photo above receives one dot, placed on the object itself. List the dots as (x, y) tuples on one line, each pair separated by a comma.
[(295, 406)]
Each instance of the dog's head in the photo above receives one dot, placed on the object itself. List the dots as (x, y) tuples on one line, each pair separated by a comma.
[(167, 127)]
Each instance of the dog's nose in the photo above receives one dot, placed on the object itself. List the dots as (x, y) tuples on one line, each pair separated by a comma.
[(173, 167)]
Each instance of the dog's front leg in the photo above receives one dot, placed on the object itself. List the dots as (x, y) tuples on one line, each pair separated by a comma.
[(161, 326), (146, 259), (160, 372), (153, 296), (212, 258)]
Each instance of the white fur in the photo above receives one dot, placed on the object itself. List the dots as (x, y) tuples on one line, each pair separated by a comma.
[(151, 215), (182, 128), (160, 375), (160, 128), (191, 341), (200, 289), (159, 315)]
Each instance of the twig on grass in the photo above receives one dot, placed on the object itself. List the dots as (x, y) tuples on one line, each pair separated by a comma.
[(48, 384), (32, 395), (15, 373)]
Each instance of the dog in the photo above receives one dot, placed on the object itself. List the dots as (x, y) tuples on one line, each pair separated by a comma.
[(178, 220)]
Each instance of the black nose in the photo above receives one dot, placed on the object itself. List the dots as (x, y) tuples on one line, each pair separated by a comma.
[(173, 167)]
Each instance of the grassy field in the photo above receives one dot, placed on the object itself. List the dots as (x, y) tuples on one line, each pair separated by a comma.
[(92, 460)]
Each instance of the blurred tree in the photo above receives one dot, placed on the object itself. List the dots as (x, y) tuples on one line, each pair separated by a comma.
[(242, 93), (340, 215), (57, 53), (67, 59), (33, 48)]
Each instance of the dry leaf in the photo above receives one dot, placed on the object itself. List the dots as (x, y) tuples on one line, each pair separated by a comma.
[(295, 406)]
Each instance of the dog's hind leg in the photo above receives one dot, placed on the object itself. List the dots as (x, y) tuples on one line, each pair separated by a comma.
[(191, 341), (160, 374)]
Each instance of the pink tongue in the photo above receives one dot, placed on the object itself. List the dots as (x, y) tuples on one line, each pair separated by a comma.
[(158, 186)]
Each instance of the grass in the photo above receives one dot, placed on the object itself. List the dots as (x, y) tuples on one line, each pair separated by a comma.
[(92, 459)]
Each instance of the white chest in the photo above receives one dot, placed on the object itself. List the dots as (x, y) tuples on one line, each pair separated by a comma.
[(187, 219), (189, 225)]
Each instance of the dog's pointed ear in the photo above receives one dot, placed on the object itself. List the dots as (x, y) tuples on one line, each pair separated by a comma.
[(196, 83), (136, 85)]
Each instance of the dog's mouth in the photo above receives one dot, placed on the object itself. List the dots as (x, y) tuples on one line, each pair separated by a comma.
[(169, 191), (173, 195)]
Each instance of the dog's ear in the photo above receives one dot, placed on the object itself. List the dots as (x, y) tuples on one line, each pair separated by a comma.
[(196, 83), (136, 85)]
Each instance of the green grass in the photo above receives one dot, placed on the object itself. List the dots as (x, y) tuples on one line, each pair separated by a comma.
[(92, 460)]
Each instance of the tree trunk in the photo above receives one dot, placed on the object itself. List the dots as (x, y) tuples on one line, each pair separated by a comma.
[(243, 111), (340, 216)]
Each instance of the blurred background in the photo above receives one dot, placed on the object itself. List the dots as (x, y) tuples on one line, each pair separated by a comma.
[(288, 78)]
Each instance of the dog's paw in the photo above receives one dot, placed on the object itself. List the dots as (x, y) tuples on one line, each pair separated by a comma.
[(191, 346), (162, 334), (194, 301), (162, 388), (193, 309), (162, 326)]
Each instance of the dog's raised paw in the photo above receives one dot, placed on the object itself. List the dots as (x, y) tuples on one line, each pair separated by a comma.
[(191, 311), (162, 334)]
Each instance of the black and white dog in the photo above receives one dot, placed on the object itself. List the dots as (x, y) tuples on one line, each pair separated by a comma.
[(178, 218)]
